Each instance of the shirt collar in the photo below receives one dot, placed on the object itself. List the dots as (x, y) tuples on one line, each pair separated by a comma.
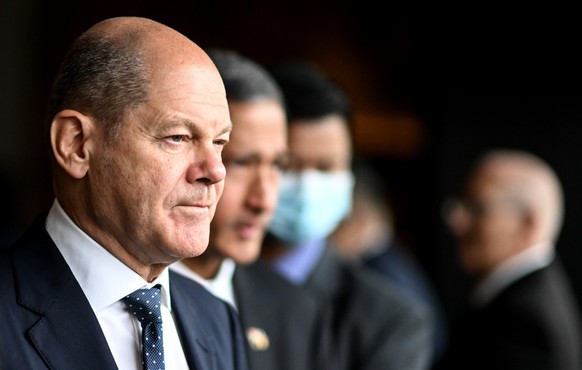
[(529, 260), (103, 278), (296, 265), (220, 285)]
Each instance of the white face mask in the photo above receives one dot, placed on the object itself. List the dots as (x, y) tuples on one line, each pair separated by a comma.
[(311, 204)]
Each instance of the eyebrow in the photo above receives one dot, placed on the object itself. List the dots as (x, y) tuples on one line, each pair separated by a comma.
[(195, 126), (227, 129)]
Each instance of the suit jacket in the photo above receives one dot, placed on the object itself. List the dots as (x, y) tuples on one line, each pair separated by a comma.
[(394, 262), (533, 324), (48, 322), (375, 326), (288, 316)]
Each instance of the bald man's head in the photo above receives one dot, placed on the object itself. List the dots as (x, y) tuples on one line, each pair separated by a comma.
[(110, 68), (138, 120), (511, 201), (528, 182)]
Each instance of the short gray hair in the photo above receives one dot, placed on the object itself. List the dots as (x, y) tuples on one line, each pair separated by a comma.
[(103, 76)]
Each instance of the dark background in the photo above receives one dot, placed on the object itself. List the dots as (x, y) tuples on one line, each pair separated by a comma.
[(431, 87)]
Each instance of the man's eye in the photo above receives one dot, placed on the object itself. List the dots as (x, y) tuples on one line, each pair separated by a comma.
[(177, 138), (242, 162), (281, 164), (220, 142)]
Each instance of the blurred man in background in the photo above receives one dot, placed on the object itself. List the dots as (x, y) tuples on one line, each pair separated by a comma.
[(368, 238), (375, 326), (522, 313), (283, 324)]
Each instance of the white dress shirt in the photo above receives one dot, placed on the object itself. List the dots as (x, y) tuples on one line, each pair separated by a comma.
[(105, 280), (220, 285)]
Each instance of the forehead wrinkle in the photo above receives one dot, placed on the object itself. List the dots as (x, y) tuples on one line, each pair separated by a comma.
[(208, 97)]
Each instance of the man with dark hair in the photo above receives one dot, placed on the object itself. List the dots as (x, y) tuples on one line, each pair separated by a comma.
[(137, 121), (375, 326), (282, 323)]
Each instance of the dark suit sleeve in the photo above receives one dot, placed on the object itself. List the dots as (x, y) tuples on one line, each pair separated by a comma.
[(406, 340)]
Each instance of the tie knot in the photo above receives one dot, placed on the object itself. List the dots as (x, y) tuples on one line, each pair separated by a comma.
[(145, 305)]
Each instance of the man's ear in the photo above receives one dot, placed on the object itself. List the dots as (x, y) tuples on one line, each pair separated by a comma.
[(530, 226), (72, 134)]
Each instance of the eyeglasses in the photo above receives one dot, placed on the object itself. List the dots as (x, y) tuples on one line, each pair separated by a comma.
[(474, 209)]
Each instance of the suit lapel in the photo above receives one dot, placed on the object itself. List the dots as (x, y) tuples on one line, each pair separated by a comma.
[(192, 332), (67, 333), (326, 279), (251, 296)]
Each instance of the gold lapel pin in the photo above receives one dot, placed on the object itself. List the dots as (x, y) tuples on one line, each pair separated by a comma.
[(257, 338)]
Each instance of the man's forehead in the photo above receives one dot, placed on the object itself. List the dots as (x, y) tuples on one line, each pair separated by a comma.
[(195, 81)]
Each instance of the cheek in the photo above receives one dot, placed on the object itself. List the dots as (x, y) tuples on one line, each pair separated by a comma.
[(472, 244), (234, 189), (484, 244), (271, 202), (274, 186), (161, 181), (219, 187), (221, 228), (146, 189), (116, 180), (227, 208), (220, 220)]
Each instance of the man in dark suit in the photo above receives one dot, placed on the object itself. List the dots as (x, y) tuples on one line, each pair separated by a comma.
[(374, 325), (368, 238), (283, 324), (137, 120), (522, 313)]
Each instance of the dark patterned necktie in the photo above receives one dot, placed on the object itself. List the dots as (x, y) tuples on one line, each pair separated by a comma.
[(145, 305)]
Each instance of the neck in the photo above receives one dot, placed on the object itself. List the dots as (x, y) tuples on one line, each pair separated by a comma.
[(205, 265)]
